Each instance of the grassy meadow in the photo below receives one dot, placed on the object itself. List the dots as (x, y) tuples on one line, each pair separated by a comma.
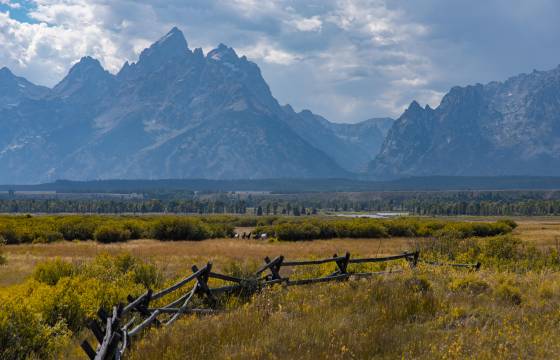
[(509, 309)]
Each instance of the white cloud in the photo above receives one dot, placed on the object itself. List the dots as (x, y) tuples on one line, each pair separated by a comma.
[(313, 23), (269, 53), (346, 59)]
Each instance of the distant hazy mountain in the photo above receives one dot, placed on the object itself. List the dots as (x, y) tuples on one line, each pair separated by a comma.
[(502, 128), (175, 113), (352, 146)]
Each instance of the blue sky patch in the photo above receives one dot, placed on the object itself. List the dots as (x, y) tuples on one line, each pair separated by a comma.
[(19, 13)]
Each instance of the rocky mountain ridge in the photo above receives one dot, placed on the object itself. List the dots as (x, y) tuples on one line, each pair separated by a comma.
[(175, 113), (501, 128)]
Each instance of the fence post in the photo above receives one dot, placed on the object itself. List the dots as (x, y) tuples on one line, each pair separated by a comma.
[(203, 284), (275, 267), (412, 258), (343, 263), (88, 349)]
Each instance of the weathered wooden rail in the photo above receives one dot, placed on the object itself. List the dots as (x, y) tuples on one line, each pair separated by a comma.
[(115, 331)]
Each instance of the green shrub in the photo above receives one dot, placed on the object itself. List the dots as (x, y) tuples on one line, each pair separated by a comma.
[(52, 271), (178, 228), (512, 224), (138, 229), (111, 233), (502, 248), (9, 234), (469, 284), (77, 228), (297, 231), (23, 334), (2, 258), (401, 227), (508, 293), (146, 275)]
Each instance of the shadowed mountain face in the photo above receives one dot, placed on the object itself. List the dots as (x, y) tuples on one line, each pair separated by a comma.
[(502, 128), (175, 113)]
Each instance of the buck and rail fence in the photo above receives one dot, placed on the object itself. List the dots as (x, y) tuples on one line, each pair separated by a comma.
[(114, 331)]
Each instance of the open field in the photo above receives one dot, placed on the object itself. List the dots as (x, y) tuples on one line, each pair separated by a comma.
[(504, 311), (177, 257)]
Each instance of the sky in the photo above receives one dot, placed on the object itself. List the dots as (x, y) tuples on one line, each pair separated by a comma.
[(348, 60)]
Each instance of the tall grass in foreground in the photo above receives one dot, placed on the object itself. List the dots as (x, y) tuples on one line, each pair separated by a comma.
[(434, 314), (423, 313)]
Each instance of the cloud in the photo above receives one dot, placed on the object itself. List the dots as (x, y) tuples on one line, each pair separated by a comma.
[(270, 53), (346, 59), (313, 23)]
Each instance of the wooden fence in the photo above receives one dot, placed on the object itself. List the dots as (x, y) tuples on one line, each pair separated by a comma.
[(115, 331)]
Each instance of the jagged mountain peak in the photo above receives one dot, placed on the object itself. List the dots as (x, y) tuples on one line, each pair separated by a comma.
[(87, 65), (223, 53), (509, 127), (171, 46), (4, 71), (414, 107), (13, 88), (177, 114), (86, 73)]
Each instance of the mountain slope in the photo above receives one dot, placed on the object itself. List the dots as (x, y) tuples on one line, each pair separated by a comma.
[(175, 113), (502, 128), (352, 146)]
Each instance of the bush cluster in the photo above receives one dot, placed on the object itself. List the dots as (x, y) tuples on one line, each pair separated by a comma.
[(40, 315), (106, 229), (290, 229)]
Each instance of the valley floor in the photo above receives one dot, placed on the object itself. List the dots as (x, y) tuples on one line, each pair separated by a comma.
[(428, 313)]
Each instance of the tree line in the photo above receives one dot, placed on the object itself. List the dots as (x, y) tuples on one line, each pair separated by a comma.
[(439, 204)]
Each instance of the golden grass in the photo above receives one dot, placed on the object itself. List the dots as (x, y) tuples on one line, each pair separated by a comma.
[(176, 257), (421, 315), (490, 314)]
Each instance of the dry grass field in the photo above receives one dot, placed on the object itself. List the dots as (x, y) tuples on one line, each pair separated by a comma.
[(177, 257), (428, 313)]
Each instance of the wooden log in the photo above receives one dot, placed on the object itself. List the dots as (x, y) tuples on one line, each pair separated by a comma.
[(274, 267), (102, 314), (225, 277), (129, 323), (312, 262), (96, 330), (183, 307), (134, 303), (126, 340), (268, 264), (102, 352), (88, 349), (379, 259), (273, 282), (144, 323), (225, 289), (203, 283), (186, 311), (178, 301), (113, 350), (178, 285)]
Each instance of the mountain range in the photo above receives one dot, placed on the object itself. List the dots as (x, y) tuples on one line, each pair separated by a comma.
[(180, 113), (497, 129), (175, 113)]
